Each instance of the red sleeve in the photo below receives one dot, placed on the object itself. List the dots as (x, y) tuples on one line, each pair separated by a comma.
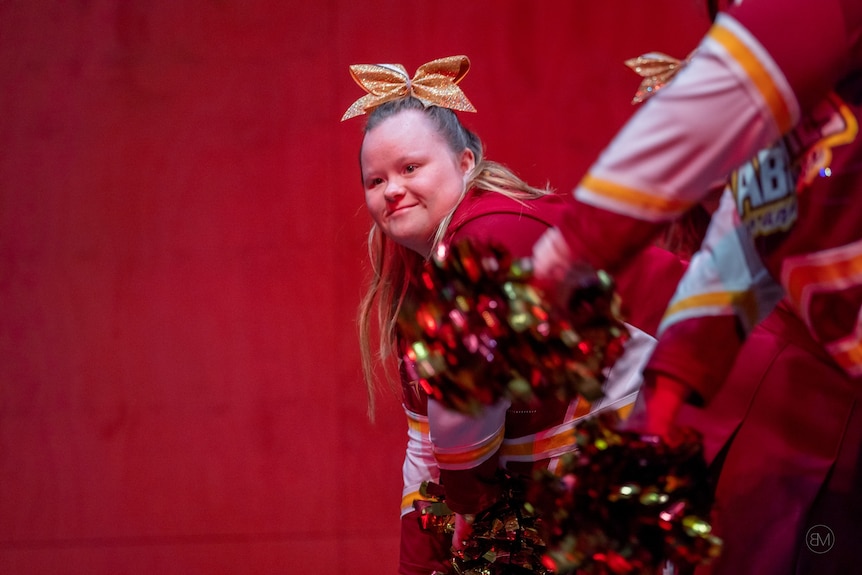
[(605, 239), (698, 352), (646, 283), (815, 43), (516, 232)]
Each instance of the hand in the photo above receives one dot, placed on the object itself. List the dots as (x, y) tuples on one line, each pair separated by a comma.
[(551, 265), (664, 398), (463, 530), (552, 257), (554, 269)]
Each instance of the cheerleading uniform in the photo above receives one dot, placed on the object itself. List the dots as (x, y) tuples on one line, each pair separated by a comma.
[(782, 117), (736, 97), (771, 471), (463, 452)]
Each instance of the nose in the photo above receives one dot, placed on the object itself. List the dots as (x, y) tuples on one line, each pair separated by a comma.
[(394, 190)]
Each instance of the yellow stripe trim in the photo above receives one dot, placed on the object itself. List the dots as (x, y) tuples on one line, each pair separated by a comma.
[(634, 197), (742, 300), (826, 277), (850, 359), (472, 455), (582, 408), (407, 500), (626, 410), (563, 439), (420, 426), (851, 126), (757, 73)]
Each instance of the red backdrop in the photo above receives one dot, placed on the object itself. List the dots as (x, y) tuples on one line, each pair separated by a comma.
[(182, 251)]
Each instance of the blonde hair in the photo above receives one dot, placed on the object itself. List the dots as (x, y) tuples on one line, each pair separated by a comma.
[(392, 265)]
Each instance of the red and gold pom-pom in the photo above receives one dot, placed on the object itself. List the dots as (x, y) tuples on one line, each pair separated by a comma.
[(622, 504), (625, 503), (476, 327), (505, 538)]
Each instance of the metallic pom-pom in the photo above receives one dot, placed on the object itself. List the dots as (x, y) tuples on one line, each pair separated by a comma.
[(477, 327), (625, 503), (505, 538)]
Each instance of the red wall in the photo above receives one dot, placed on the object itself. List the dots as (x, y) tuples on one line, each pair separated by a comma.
[(182, 249)]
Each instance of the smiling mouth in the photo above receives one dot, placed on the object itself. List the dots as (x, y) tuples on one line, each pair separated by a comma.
[(399, 209)]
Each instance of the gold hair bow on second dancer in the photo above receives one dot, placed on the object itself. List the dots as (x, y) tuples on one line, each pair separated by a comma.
[(435, 84), (657, 70)]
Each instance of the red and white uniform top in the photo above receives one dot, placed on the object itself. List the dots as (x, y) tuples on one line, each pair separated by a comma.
[(771, 96)]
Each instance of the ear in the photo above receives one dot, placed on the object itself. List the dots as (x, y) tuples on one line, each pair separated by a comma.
[(468, 161)]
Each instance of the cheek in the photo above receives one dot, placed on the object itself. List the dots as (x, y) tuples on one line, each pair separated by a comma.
[(449, 190), (373, 203)]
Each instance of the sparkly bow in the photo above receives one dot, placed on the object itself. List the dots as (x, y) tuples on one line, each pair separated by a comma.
[(656, 69), (435, 83)]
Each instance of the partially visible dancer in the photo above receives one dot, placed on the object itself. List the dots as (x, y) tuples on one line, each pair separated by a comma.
[(779, 82), (427, 182)]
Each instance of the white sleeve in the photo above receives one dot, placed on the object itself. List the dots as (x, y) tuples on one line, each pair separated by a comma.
[(730, 101), (463, 441), (726, 276), (419, 463)]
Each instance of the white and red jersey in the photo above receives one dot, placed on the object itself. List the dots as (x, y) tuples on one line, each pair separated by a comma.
[(771, 95), (463, 452), (789, 225)]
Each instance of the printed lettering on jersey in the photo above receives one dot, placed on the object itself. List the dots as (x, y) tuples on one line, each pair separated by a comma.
[(765, 188), (765, 191)]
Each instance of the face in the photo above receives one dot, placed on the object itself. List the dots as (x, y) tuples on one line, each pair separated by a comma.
[(412, 179)]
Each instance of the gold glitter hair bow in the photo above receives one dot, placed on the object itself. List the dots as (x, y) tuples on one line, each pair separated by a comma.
[(435, 83), (656, 69)]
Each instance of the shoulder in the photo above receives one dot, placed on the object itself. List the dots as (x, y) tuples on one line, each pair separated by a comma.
[(826, 43), (653, 266), (482, 204), (491, 217)]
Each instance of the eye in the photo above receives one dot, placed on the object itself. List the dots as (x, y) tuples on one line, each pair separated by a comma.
[(373, 182), (410, 168)]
